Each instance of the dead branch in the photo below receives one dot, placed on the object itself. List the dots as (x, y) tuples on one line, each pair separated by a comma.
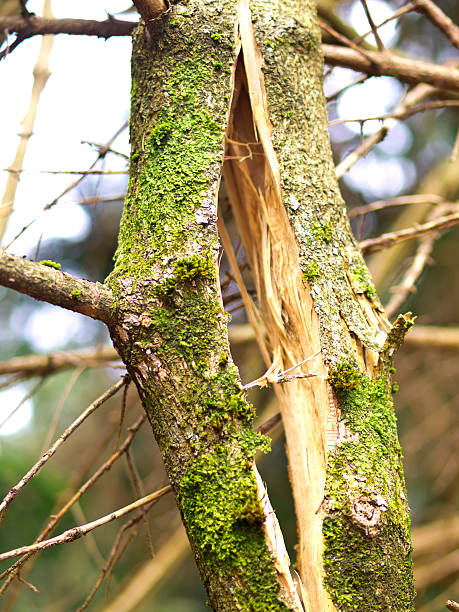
[(27, 27), (12, 493), (43, 281), (56, 517), (452, 605), (434, 336), (45, 364), (40, 78), (422, 198), (407, 70), (387, 240), (77, 532), (439, 19)]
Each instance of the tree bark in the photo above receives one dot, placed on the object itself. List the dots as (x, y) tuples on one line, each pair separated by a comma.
[(170, 326)]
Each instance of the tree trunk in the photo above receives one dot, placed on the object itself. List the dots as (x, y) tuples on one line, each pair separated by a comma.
[(170, 327)]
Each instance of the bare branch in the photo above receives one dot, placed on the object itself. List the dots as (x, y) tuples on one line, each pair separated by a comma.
[(407, 70), (386, 240), (56, 516), (150, 10), (439, 19), (32, 25), (427, 198), (45, 282), (45, 364), (12, 493), (433, 336), (77, 532)]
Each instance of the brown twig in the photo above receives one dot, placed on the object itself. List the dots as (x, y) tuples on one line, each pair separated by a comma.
[(401, 114), (46, 364), (407, 70), (12, 493), (77, 532), (439, 19), (45, 282), (426, 198), (373, 26), (452, 605), (26, 27), (56, 517), (414, 96), (116, 552), (386, 240), (406, 287), (101, 155)]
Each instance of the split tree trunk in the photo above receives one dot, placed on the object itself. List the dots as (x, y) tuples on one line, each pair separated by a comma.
[(252, 72)]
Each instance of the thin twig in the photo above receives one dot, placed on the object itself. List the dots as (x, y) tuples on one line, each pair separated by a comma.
[(45, 364), (424, 198), (12, 493), (77, 532), (373, 26), (139, 491), (40, 78), (407, 285), (412, 97), (401, 114), (56, 517), (386, 240)]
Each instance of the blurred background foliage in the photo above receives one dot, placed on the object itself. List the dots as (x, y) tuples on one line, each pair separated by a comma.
[(80, 233)]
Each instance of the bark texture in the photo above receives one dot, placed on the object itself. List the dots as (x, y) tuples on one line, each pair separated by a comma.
[(170, 327), (315, 294)]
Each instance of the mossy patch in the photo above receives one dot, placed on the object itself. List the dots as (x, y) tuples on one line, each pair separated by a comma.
[(50, 264), (361, 281), (344, 377), (366, 529), (225, 520), (312, 273), (170, 180)]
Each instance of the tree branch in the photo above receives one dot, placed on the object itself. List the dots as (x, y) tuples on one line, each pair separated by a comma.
[(407, 70), (150, 10), (43, 282), (439, 19), (31, 26), (77, 532), (387, 240)]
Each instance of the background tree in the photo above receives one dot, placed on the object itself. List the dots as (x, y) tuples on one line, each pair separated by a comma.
[(249, 174)]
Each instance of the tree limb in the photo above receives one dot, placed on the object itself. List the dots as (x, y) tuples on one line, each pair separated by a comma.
[(31, 26), (48, 284), (387, 240), (407, 70)]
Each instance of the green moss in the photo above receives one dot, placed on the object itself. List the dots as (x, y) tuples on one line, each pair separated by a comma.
[(77, 293), (190, 268), (216, 36), (159, 133), (323, 232), (218, 64), (344, 377), (225, 520), (366, 529), (170, 180), (50, 264), (312, 273), (361, 281)]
